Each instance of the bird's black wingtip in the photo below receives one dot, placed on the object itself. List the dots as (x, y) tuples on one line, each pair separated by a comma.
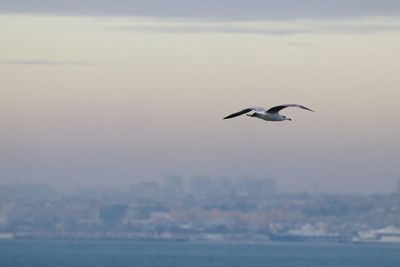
[(307, 109)]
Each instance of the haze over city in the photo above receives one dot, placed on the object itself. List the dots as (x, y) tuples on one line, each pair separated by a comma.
[(111, 94)]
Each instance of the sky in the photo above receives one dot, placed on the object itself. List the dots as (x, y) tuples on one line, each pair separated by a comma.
[(108, 94)]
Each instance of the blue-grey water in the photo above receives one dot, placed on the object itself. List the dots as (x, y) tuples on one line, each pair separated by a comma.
[(115, 253)]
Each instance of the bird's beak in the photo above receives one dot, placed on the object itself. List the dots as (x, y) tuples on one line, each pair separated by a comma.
[(289, 119)]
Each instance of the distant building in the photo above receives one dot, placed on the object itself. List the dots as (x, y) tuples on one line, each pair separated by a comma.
[(256, 187), (26, 191), (146, 190), (137, 213), (173, 186), (398, 185), (223, 187), (113, 214), (200, 186), (79, 213), (3, 214)]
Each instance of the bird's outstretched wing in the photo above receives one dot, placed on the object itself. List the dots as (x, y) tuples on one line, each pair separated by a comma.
[(276, 109), (244, 111)]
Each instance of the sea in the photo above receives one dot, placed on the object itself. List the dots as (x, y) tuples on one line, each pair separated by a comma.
[(121, 253)]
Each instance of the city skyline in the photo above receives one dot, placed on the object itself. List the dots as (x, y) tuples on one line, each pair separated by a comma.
[(149, 211)]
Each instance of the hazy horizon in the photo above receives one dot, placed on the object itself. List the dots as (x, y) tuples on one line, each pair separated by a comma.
[(108, 98)]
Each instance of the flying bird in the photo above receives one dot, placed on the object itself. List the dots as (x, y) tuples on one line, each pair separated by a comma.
[(271, 114)]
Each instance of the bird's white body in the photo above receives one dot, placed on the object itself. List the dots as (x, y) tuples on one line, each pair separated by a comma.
[(269, 116)]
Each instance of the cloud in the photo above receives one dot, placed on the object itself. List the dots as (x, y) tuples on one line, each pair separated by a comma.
[(213, 9), (346, 26), (209, 28), (48, 62)]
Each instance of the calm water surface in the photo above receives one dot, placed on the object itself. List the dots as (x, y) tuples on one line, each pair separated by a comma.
[(97, 253)]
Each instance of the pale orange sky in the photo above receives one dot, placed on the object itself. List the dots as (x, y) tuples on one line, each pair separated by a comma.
[(111, 100)]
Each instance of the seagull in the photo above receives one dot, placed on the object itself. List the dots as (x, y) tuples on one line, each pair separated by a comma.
[(271, 114)]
